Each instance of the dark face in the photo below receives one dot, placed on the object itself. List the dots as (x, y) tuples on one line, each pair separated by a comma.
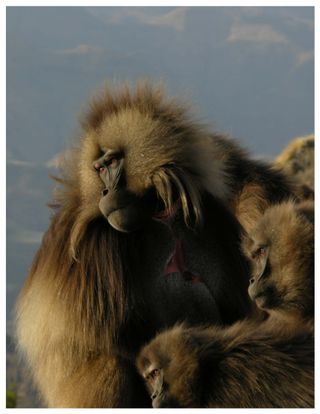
[(262, 289), (157, 387), (124, 210), (170, 367)]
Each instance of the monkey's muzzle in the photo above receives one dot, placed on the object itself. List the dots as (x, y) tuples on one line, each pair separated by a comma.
[(124, 211)]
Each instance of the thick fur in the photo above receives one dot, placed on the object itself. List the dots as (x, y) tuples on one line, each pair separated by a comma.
[(297, 161), (247, 365), (253, 185), (95, 295), (286, 233), (262, 362)]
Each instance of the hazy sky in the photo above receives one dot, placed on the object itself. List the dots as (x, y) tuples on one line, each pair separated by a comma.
[(248, 71)]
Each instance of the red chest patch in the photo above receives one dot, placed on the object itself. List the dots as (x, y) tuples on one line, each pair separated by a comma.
[(177, 265)]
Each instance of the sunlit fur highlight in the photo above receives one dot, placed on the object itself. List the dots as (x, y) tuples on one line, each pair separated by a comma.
[(189, 193)]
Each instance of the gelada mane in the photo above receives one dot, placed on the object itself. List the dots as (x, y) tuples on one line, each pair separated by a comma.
[(85, 248)]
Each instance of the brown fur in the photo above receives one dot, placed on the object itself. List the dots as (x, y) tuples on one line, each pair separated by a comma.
[(88, 296), (253, 185), (297, 161), (247, 365), (256, 363), (286, 233)]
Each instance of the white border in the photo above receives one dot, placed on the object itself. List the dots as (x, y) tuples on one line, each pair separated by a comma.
[(164, 3), (128, 3), (3, 207), (317, 172)]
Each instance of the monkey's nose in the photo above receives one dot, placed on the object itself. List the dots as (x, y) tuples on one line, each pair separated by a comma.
[(96, 165), (154, 395), (251, 281), (104, 192), (99, 165)]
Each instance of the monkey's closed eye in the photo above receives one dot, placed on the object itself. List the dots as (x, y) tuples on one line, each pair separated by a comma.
[(113, 162), (153, 374), (107, 160), (260, 252)]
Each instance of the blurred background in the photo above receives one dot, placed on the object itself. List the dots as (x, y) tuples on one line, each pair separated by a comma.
[(248, 71)]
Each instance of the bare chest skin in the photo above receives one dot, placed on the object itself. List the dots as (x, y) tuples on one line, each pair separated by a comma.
[(178, 272), (185, 275)]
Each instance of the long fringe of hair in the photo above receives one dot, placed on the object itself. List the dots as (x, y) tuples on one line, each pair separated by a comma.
[(172, 179)]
